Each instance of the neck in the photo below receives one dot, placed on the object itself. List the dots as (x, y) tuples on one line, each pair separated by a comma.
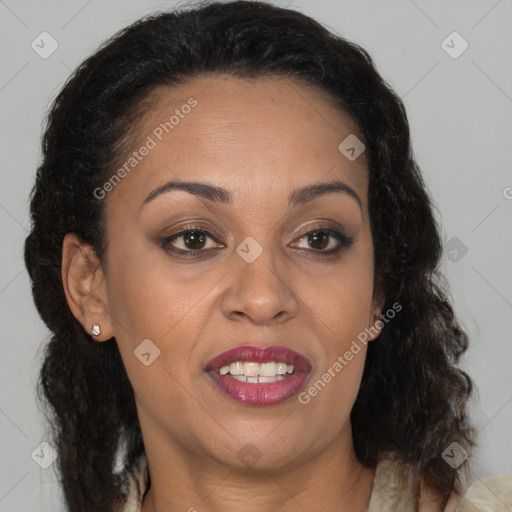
[(333, 480)]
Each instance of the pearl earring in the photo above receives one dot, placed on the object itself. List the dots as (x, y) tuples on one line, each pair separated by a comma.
[(95, 330)]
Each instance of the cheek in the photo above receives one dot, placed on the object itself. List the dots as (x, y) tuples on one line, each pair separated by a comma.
[(341, 308), (149, 299), (334, 384), (146, 303), (342, 300)]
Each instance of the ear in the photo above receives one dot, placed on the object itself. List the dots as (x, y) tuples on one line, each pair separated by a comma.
[(85, 286), (375, 313)]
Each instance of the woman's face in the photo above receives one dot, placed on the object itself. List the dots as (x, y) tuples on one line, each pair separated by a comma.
[(256, 277)]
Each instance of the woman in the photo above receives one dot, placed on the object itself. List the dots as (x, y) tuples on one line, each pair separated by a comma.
[(237, 257)]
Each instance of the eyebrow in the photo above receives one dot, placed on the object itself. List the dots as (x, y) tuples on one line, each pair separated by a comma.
[(221, 195)]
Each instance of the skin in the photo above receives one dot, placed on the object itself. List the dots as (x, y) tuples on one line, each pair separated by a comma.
[(260, 140)]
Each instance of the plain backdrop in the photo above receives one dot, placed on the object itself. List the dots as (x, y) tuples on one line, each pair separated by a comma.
[(459, 105)]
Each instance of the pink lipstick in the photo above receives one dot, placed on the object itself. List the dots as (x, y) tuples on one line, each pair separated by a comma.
[(259, 376)]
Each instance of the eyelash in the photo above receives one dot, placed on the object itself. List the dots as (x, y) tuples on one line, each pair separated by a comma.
[(344, 241)]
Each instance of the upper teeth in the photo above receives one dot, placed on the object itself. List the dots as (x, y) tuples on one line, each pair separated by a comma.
[(250, 369)]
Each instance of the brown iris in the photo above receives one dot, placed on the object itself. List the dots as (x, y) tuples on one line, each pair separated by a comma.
[(194, 240), (315, 236)]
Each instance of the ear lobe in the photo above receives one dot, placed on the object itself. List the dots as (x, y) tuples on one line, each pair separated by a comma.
[(84, 286)]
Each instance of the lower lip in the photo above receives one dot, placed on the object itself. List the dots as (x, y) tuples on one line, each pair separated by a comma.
[(267, 393)]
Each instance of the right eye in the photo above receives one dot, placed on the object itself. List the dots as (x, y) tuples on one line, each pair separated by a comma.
[(193, 241)]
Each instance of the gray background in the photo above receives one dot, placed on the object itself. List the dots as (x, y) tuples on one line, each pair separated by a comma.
[(460, 111)]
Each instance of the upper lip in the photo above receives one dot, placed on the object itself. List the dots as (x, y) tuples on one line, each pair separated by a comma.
[(260, 355)]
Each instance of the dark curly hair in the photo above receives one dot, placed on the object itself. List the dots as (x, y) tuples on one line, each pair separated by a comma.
[(412, 399)]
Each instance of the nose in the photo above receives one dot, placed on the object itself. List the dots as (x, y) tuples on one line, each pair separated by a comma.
[(259, 292)]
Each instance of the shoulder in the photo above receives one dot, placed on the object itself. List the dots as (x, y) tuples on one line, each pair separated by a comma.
[(395, 488), (489, 495)]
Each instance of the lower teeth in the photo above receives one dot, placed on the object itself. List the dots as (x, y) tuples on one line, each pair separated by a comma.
[(257, 380)]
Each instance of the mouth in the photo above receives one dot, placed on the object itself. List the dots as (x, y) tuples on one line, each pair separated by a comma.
[(257, 376)]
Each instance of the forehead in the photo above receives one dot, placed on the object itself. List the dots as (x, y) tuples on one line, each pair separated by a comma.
[(248, 135)]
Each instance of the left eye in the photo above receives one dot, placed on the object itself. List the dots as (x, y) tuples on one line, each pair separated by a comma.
[(327, 241)]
